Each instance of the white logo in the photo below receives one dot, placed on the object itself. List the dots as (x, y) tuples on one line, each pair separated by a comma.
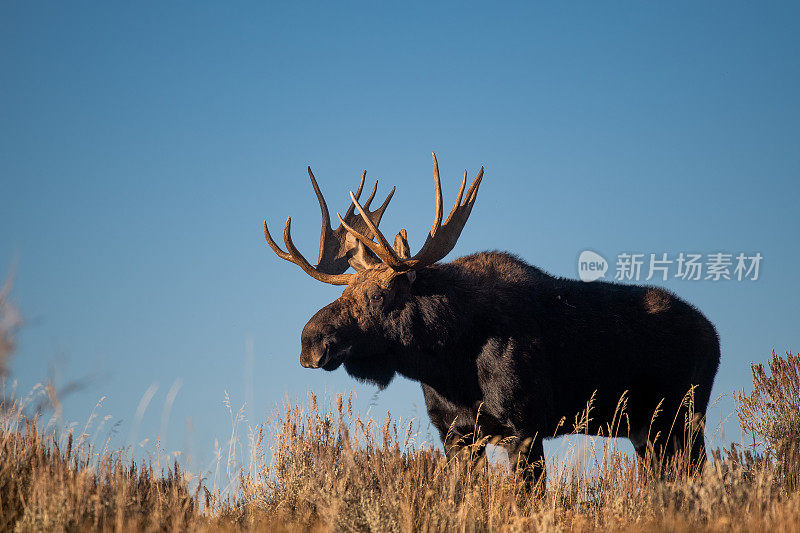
[(591, 266)]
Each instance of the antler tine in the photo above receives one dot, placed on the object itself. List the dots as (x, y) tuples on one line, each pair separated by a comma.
[(437, 184), (297, 258), (326, 219), (472, 193), (458, 198), (352, 207), (371, 196), (275, 247), (378, 213)]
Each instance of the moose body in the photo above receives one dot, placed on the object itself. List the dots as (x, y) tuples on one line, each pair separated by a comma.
[(505, 351)]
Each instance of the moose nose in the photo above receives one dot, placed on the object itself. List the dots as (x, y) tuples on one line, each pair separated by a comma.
[(314, 358), (308, 362)]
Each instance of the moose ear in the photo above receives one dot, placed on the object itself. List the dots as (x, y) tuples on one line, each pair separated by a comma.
[(412, 275), (401, 245), (361, 258)]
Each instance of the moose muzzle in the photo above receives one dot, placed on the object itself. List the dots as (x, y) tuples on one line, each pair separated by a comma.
[(314, 358)]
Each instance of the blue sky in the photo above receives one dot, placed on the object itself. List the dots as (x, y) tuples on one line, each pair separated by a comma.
[(141, 146)]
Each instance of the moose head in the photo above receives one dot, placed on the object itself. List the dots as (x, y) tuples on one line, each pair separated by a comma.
[(376, 313)]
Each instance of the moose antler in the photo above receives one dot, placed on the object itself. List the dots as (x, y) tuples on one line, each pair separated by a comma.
[(338, 250), (441, 238)]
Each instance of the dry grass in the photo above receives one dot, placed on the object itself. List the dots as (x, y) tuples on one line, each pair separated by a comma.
[(330, 469), (333, 470), (336, 471), (45, 487)]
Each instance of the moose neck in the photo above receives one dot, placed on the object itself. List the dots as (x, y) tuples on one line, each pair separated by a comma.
[(449, 323)]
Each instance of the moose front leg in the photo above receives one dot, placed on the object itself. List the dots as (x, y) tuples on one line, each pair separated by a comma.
[(460, 426), (526, 457), (466, 446)]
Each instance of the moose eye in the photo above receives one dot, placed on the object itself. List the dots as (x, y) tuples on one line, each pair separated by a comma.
[(377, 296)]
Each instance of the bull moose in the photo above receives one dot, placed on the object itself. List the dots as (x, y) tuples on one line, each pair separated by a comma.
[(502, 349)]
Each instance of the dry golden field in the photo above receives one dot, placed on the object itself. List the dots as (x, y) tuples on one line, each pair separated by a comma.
[(324, 468)]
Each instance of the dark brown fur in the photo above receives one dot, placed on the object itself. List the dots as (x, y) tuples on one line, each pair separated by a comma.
[(489, 332)]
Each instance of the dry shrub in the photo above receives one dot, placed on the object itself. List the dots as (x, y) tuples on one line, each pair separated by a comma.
[(771, 413)]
